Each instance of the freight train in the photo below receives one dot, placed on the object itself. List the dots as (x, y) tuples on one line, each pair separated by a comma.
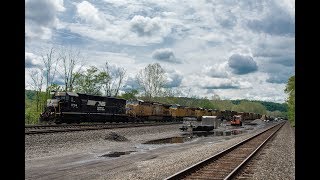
[(70, 107)]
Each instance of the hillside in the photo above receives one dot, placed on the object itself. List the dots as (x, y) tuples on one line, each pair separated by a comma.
[(270, 106)]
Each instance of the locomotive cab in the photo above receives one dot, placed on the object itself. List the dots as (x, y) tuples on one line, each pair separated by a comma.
[(64, 101)]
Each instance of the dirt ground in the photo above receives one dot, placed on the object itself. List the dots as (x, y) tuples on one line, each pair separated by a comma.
[(97, 158)]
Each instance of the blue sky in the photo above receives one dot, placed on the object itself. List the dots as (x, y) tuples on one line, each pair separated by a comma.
[(236, 49)]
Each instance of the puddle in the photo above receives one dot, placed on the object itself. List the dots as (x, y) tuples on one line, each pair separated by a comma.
[(235, 132), (168, 140), (251, 124), (219, 133), (192, 135), (228, 132), (180, 139), (231, 132), (202, 133), (117, 154)]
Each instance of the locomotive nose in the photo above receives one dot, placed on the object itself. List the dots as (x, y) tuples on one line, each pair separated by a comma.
[(52, 102), (43, 117)]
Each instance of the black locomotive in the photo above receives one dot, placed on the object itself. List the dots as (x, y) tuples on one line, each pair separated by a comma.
[(69, 107)]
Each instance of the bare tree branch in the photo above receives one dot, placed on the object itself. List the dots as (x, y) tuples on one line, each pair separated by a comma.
[(152, 80), (114, 80), (70, 59), (37, 83), (50, 64)]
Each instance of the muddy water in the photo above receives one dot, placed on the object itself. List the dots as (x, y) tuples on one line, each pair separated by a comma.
[(170, 140), (117, 154), (192, 135)]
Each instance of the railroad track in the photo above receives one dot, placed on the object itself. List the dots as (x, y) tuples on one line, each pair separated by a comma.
[(41, 129), (226, 164)]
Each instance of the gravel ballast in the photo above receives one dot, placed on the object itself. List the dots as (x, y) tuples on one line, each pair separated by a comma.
[(277, 159), (169, 164), (143, 161), (44, 145)]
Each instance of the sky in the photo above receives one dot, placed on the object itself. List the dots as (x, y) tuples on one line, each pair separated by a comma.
[(233, 48)]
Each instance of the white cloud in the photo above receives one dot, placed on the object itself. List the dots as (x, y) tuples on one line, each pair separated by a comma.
[(241, 64), (218, 70), (139, 31), (58, 5), (41, 17), (206, 82), (166, 55), (174, 78), (213, 37), (277, 20), (32, 60), (145, 26), (287, 5), (91, 14), (202, 35)]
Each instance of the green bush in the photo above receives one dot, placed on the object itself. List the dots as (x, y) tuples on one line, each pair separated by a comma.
[(31, 116)]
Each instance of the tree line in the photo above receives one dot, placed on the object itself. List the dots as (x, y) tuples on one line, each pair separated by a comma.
[(290, 90), (270, 106)]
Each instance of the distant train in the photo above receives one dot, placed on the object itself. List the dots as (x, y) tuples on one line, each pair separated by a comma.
[(70, 107)]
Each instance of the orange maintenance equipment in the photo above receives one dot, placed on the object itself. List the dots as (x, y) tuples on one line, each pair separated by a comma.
[(236, 120)]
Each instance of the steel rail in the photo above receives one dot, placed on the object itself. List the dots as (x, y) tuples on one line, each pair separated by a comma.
[(67, 128), (72, 124), (245, 161), (184, 173)]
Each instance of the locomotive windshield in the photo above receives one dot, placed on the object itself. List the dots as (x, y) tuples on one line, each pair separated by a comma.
[(60, 97), (174, 106), (52, 102)]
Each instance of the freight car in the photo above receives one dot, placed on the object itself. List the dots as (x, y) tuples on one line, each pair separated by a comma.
[(227, 115), (179, 113), (149, 111)]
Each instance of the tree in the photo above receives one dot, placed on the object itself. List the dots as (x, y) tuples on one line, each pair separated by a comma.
[(70, 58), (170, 92), (50, 62), (41, 76), (248, 106), (131, 94), (223, 104), (152, 80), (33, 108), (54, 87), (90, 82), (114, 79), (275, 113), (50, 66), (215, 97), (290, 90), (37, 84)]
